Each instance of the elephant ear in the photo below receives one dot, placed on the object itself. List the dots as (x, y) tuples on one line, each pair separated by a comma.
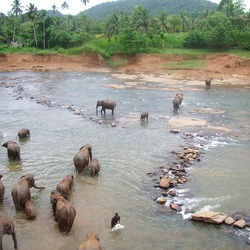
[(97, 237)]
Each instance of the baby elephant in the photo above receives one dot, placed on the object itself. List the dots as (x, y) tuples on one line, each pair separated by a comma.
[(144, 116), (208, 83), (94, 167), (7, 227), (65, 185), (30, 210), (23, 133), (91, 242), (13, 149), (63, 211), (177, 101)]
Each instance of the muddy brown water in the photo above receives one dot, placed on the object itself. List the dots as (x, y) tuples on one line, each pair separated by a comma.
[(127, 152)]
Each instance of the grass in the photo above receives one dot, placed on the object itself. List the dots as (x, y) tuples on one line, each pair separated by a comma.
[(187, 64)]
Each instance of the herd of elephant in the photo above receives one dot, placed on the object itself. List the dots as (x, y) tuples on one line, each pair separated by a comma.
[(63, 211)]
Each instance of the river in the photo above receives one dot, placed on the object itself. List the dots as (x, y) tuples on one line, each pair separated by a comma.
[(43, 102)]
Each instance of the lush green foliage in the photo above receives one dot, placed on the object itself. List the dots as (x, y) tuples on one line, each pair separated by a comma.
[(142, 30)]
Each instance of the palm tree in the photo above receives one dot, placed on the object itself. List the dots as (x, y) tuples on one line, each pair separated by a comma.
[(163, 22), (112, 26), (65, 5), (84, 1), (16, 9), (54, 8), (32, 15), (141, 19)]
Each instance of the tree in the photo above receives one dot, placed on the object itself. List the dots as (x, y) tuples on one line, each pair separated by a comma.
[(32, 15), (16, 9), (112, 26), (65, 5), (131, 41), (54, 8), (141, 19), (84, 1), (162, 21)]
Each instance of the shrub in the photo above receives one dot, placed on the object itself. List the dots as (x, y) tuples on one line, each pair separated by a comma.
[(194, 39)]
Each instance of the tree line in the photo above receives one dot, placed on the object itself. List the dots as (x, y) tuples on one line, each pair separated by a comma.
[(226, 27)]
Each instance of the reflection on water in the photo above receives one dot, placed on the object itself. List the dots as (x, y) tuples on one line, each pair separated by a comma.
[(126, 153)]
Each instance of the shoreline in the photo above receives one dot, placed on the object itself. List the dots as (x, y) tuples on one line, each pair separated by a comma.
[(224, 69)]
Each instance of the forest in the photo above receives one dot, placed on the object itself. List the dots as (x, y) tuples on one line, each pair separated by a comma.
[(142, 30)]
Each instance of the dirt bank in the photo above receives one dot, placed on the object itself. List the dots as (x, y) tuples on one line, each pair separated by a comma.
[(224, 68)]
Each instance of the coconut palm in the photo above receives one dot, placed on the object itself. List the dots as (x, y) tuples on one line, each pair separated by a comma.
[(32, 14), (65, 5), (84, 1), (54, 8), (16, 9)]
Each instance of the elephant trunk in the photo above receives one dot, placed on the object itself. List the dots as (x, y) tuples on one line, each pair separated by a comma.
[(35, 186), (14, 239)]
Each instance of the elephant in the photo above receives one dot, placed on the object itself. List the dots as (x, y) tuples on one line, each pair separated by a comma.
[(105, 104), (65, 185), (177, 102), (144, 116), (21, 193), (94, 167), (23, 133), (2, 189), (180, 95), (63, 211), (30, 210), (208, 83), (7, 227), (82, 158), (13, 149), (91, 242)]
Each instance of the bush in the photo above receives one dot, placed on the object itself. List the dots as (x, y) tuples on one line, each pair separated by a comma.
[(194, 39)]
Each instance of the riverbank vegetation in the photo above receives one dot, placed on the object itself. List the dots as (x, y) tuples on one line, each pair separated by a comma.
[(226, 29)]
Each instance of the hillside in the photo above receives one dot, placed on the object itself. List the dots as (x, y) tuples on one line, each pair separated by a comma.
[(101, 11)]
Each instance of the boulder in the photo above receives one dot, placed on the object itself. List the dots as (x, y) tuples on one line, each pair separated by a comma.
[(209, 217), (164, 182), (240, 223), (229, 220), (175, 207)]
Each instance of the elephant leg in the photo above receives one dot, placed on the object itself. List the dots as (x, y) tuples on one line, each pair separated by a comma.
[(15, 199)]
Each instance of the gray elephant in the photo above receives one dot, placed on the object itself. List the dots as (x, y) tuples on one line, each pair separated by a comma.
[(63, 211), (91, 242), (94, 167), (208, 83), (21, 193), (13, 149), (144, 116), (105, 104), (65, 185), (82, 158), (177, 102), (2, 189), (23, 133), (7, 227)]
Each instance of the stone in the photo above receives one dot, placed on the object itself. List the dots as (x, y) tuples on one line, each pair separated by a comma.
[(164, 182), (240, 223), (209, 217), (175, 207), (77, 112), (161, 200), (229, 220), (175, 130), (113, 124)]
